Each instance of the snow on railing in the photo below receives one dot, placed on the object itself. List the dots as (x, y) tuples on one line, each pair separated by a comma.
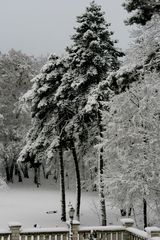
[(101, 232), (5, 234), (44, 234), (137, 233), (124, 232)]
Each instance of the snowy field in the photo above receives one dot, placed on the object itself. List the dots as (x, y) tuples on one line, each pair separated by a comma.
[(28, 205)]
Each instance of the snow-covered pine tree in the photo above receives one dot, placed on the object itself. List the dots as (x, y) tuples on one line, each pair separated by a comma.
[(65, 99), (93, 53), (142, 10), (91, 57), (45, 139)]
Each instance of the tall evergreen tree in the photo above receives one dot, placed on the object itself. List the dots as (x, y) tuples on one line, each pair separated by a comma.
[(45, 140), (90, 58), (93, 53)]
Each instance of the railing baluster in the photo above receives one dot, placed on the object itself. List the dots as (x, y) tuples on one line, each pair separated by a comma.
[(23, 237), (35, 237), (41, 237), (58, 236), (98, 235), (52, 236), (64, 236), (114, 236), (5, 237), (46, 237), (81, 236), (122, 236), (29, 237), (103, 235)]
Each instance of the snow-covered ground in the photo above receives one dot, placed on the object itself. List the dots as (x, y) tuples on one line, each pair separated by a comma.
[(28, 205)]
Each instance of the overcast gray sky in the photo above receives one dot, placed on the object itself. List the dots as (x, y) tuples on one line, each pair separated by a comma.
[(44, 26)]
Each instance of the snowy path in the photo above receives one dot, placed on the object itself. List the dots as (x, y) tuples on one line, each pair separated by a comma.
[(28, 205)]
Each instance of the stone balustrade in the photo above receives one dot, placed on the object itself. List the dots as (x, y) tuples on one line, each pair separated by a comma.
[(124, 232)]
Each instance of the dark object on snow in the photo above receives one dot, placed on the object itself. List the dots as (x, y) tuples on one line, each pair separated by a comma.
[(51, 212), (35, 225), (123, 212)]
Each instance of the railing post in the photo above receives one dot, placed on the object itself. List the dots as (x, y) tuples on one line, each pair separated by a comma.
[(15, 228), (75, 229), (127, 222), (153, 231)]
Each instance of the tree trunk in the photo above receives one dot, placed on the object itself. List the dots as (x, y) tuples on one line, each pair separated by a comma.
[(146, 143), (7, 170), (62, 184), (101, 169), (145, 212), (101, 191), (7, 173), (16, 170), (19, 174), (11, 171), (25, 170), (129, 212), (44, 172), (78, 180), (37, 173)]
